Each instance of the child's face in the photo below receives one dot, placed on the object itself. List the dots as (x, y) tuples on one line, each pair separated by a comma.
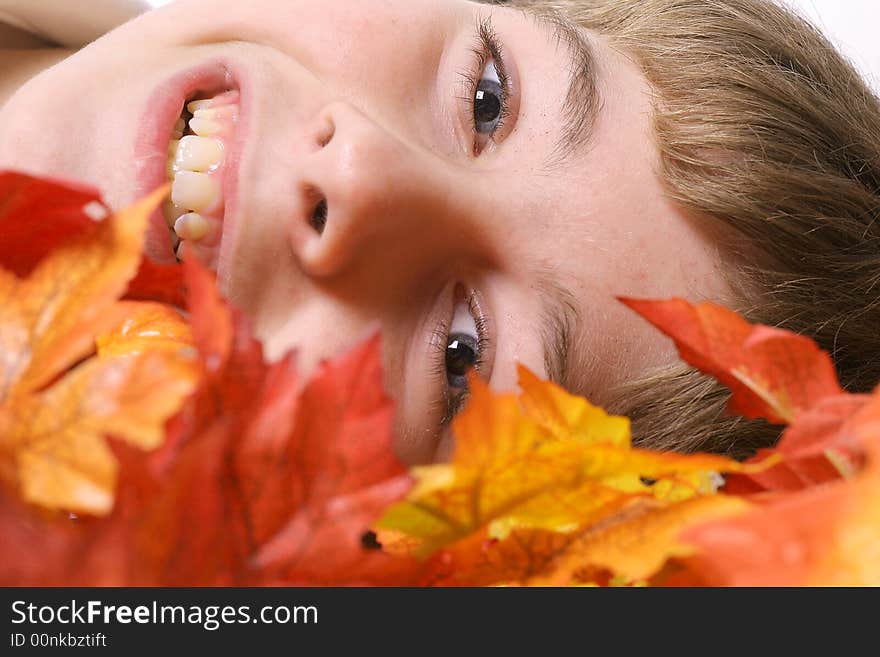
[(461, 245)]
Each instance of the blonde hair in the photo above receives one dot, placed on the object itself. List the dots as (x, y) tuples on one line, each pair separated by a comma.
[(762, 126)]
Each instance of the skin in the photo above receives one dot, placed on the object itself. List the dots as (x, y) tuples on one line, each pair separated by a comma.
[(413, 212)]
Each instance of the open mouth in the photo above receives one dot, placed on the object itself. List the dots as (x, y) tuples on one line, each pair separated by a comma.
[(198, 151)]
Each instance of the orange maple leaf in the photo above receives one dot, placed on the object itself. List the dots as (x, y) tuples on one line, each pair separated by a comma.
[(53, 419), (772, 373), (814, 514), (824, 535), (820, 446), (260, 481), (146, 327)]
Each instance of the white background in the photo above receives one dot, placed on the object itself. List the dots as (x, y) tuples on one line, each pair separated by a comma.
[(852, 25)]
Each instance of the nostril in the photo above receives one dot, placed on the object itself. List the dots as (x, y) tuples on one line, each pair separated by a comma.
[(319, 216), (326, 133)]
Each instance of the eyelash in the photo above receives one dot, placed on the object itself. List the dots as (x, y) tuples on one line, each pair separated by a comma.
[(451, 404), (488, 47)]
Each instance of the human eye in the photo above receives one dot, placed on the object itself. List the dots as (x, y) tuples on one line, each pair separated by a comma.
[(487, 88), (460, 344)]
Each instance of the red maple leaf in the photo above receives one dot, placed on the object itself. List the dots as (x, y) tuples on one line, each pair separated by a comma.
[(38, 215), (772, 373)]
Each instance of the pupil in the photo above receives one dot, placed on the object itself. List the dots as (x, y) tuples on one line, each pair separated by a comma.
[(460, 357), (487, 103)]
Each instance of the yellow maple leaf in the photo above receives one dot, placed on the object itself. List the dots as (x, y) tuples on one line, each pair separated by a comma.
[(635, 545), (544, 460), (565, 415), (627, 546)]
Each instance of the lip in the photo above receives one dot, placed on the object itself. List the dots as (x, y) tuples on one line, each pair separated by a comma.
[(163, 108)]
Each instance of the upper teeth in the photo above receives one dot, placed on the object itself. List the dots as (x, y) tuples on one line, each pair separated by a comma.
[(195, 105), (195, 191), (196, 153), (191, 226), (194, 162), (204, 126)]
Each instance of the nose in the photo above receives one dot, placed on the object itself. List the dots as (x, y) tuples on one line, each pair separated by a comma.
[(379, 219), (369, 193)]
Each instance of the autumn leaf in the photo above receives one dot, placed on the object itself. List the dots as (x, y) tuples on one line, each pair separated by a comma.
[(629, 543), (823, 536), (56, 437), (51, 318), (633, 546), (629, 546), (314, 467), (145, 327), (53, 419), (820, 446), (565, 415), (773, 374), (157, 282), (815, 515), (38, 215), (546, 460), (262, 480)]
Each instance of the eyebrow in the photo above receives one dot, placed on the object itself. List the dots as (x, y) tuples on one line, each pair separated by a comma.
[(582, 101), (560, 322)]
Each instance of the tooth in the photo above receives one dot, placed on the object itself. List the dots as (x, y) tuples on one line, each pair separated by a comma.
[(194, 191), (198, 153), (191, 226), (195, 105), (204, 127)]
